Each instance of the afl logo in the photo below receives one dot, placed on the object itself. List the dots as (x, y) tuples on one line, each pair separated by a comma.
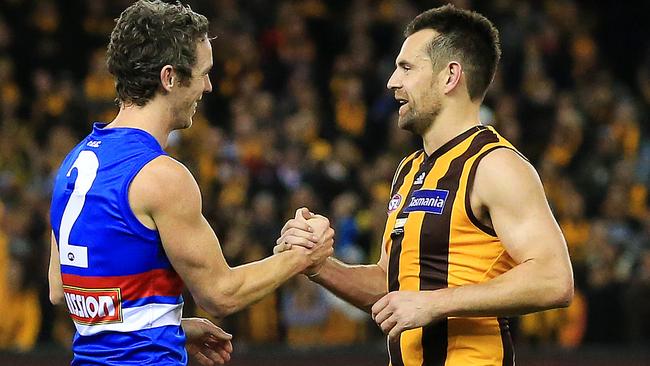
[(394, 202)]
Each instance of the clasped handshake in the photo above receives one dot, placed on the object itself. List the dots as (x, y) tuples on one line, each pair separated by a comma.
[(310, 233), (393, 312)]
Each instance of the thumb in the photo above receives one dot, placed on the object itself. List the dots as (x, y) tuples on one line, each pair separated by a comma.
[(303, 213)]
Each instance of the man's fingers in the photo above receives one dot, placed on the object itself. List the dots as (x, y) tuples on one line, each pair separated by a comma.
[(225, 353), (297, 224), (281, 248), (302, 234), (303, 213), (379, 306), (388, 325), (203, 360), (382, 316), (287, 241), (218, 333), (329, 234), (223, 347), (330, 252), (394, 333), (226, 345), (297, 237), (213, 355), (294, 240), (213, 331)]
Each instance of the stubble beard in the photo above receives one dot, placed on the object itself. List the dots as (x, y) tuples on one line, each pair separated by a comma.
[(184, 116), (419, 122)]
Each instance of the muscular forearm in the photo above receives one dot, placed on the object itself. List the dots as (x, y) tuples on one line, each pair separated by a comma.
[(528, 287), (360, 285), (248, 283)]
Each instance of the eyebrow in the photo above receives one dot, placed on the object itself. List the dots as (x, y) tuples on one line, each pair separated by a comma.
[(402, 63)]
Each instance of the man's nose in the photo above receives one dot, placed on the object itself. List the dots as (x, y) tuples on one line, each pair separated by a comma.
[(394, 82), (207, 87)]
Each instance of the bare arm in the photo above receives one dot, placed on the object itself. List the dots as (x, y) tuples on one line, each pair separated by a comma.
[(54, 274), (522, 219), (360, 285), (167, 193), (542, 279)]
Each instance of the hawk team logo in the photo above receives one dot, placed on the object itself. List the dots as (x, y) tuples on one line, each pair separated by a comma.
[(94, 306), (394, 202)]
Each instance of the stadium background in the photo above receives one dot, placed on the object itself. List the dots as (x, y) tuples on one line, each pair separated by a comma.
[(300, 115)]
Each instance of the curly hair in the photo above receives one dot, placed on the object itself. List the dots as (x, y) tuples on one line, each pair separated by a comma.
[(149, 35), (466, 36)]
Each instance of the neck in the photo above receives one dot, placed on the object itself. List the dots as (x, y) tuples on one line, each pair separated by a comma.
[(451, 122), (151, 118)]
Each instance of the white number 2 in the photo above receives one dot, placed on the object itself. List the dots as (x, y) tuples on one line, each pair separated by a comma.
[(87, 165)]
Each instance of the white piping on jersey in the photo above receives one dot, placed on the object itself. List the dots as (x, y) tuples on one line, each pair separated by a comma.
[(138, 318)]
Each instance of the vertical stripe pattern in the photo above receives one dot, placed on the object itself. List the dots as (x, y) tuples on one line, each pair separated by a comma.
[(434, 249), (404, 180), (431, 238), (506, 340)]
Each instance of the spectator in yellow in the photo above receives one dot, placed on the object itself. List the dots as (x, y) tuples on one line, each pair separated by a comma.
[(19, 331)]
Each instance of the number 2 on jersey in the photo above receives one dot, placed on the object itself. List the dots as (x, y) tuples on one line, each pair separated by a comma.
[(76, 254)]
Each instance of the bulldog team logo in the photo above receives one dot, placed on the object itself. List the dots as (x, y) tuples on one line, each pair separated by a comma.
[(394, 202)]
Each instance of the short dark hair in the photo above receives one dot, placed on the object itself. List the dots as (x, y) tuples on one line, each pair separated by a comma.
[(149, 35), (466, 36)]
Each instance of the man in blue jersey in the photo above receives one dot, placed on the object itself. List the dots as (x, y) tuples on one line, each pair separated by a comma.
[(127, 227)]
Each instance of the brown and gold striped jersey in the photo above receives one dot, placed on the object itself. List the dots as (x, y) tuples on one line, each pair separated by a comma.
[(433, 241)]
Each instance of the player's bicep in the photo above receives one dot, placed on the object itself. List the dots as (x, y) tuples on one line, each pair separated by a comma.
[(54, 274), (174, 203), (520, 214)]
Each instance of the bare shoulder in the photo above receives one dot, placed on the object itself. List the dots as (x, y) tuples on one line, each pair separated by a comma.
[(164, 168), (505, 176), (162, 182)]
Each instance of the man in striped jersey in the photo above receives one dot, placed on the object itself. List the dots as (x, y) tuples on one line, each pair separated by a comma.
[(469, 239)]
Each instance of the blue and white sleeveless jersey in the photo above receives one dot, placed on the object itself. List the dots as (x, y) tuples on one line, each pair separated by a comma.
[(122, 293)]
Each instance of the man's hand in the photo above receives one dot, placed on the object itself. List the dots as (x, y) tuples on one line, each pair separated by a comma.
[(398, 311), (297, 231), (310, 231), (207, 343)]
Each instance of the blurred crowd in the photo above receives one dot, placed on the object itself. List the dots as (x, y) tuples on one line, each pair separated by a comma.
[(300, 116)]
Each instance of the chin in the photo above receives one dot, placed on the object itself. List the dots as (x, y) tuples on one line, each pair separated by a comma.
[(183, 124), (407, 123), (414, 124)]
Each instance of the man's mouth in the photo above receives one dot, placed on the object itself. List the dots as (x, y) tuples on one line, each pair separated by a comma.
[(402, 102)]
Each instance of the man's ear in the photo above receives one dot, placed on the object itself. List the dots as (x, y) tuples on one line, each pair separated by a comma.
[(453, 73), (167, 77)]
